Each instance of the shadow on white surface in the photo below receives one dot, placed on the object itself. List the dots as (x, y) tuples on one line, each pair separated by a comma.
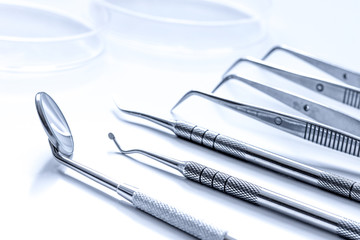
[(46, 177)]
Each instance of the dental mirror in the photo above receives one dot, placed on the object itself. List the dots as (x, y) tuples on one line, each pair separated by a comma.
[(54, 123), (61, 140), (62, 147)]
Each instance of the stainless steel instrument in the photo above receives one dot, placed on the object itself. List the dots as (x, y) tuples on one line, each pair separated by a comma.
[(347, 95), (62, 147), (233, 147), (314, 132), (255, 194), (340, 73), (307, 107)]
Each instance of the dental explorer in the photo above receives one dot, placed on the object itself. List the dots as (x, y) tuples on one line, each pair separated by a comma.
[(62, 146), (254, 194), (314, 132), (244, 151)]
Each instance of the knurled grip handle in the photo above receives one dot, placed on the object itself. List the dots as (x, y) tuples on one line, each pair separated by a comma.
[(340, 185), (211, 139), (348, 229), (222, 182), (177, 218), (355, 192), (238, 149)]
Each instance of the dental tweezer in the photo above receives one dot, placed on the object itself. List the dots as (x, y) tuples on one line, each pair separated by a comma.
[(308, 130), (340, 73), (240, 150), (255, 194), (309, 108), (347, 95)]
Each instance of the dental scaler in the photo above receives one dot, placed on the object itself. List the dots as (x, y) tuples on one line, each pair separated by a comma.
[(256, 195), (241, 150)]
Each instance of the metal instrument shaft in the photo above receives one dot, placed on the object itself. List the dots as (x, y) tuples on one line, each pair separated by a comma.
[(307, 107), (255, 194), (314, 132), (62, 146), (241, 150)]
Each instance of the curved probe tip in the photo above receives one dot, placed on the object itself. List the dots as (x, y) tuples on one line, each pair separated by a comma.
[(111, 136)]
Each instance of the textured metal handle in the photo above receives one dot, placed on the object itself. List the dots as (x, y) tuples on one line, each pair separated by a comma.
[(238, 149), (177, 218), (222, 181), (211, 139), (339, 185), (348, 229)]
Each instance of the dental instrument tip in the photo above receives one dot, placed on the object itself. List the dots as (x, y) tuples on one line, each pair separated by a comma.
[(111, 136), (162, 122), (225, 79), (183, 98), (176, 164)]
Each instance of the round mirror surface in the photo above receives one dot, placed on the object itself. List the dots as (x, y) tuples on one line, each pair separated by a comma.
[(54, 124)]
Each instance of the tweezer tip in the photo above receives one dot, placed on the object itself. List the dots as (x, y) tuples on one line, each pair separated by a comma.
[(183, 98), (225, 79), (273, 49)]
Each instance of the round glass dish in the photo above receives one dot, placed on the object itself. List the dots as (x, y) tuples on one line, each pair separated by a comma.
[(41, 36), (188, 27)]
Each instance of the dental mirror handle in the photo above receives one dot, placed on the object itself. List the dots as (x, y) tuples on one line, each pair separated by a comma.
[(156, 208), (327, 181), (179, 219), (257, 195)]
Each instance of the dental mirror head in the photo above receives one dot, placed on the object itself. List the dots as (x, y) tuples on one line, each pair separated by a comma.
[(55, 124)]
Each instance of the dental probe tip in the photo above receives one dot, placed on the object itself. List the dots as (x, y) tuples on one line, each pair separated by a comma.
[(176, 164), (111, 136), (162, 122)]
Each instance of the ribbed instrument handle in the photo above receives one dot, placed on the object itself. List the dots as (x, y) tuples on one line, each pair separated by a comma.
[(221, 181), (327, 181)]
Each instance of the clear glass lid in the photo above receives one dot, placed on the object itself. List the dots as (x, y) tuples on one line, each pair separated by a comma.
[(37, 36), (188, 27)]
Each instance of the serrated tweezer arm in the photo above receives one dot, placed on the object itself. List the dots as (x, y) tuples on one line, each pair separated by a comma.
[(311, 131), (340, 73), (307, 107)]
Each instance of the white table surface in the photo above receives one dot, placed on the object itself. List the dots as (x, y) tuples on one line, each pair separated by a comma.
[(42, 200)]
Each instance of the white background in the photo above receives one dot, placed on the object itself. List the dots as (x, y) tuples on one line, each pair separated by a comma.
[(42, 200)]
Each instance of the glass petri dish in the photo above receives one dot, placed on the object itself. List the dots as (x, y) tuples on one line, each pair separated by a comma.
[(42, 36), (188, 27)]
